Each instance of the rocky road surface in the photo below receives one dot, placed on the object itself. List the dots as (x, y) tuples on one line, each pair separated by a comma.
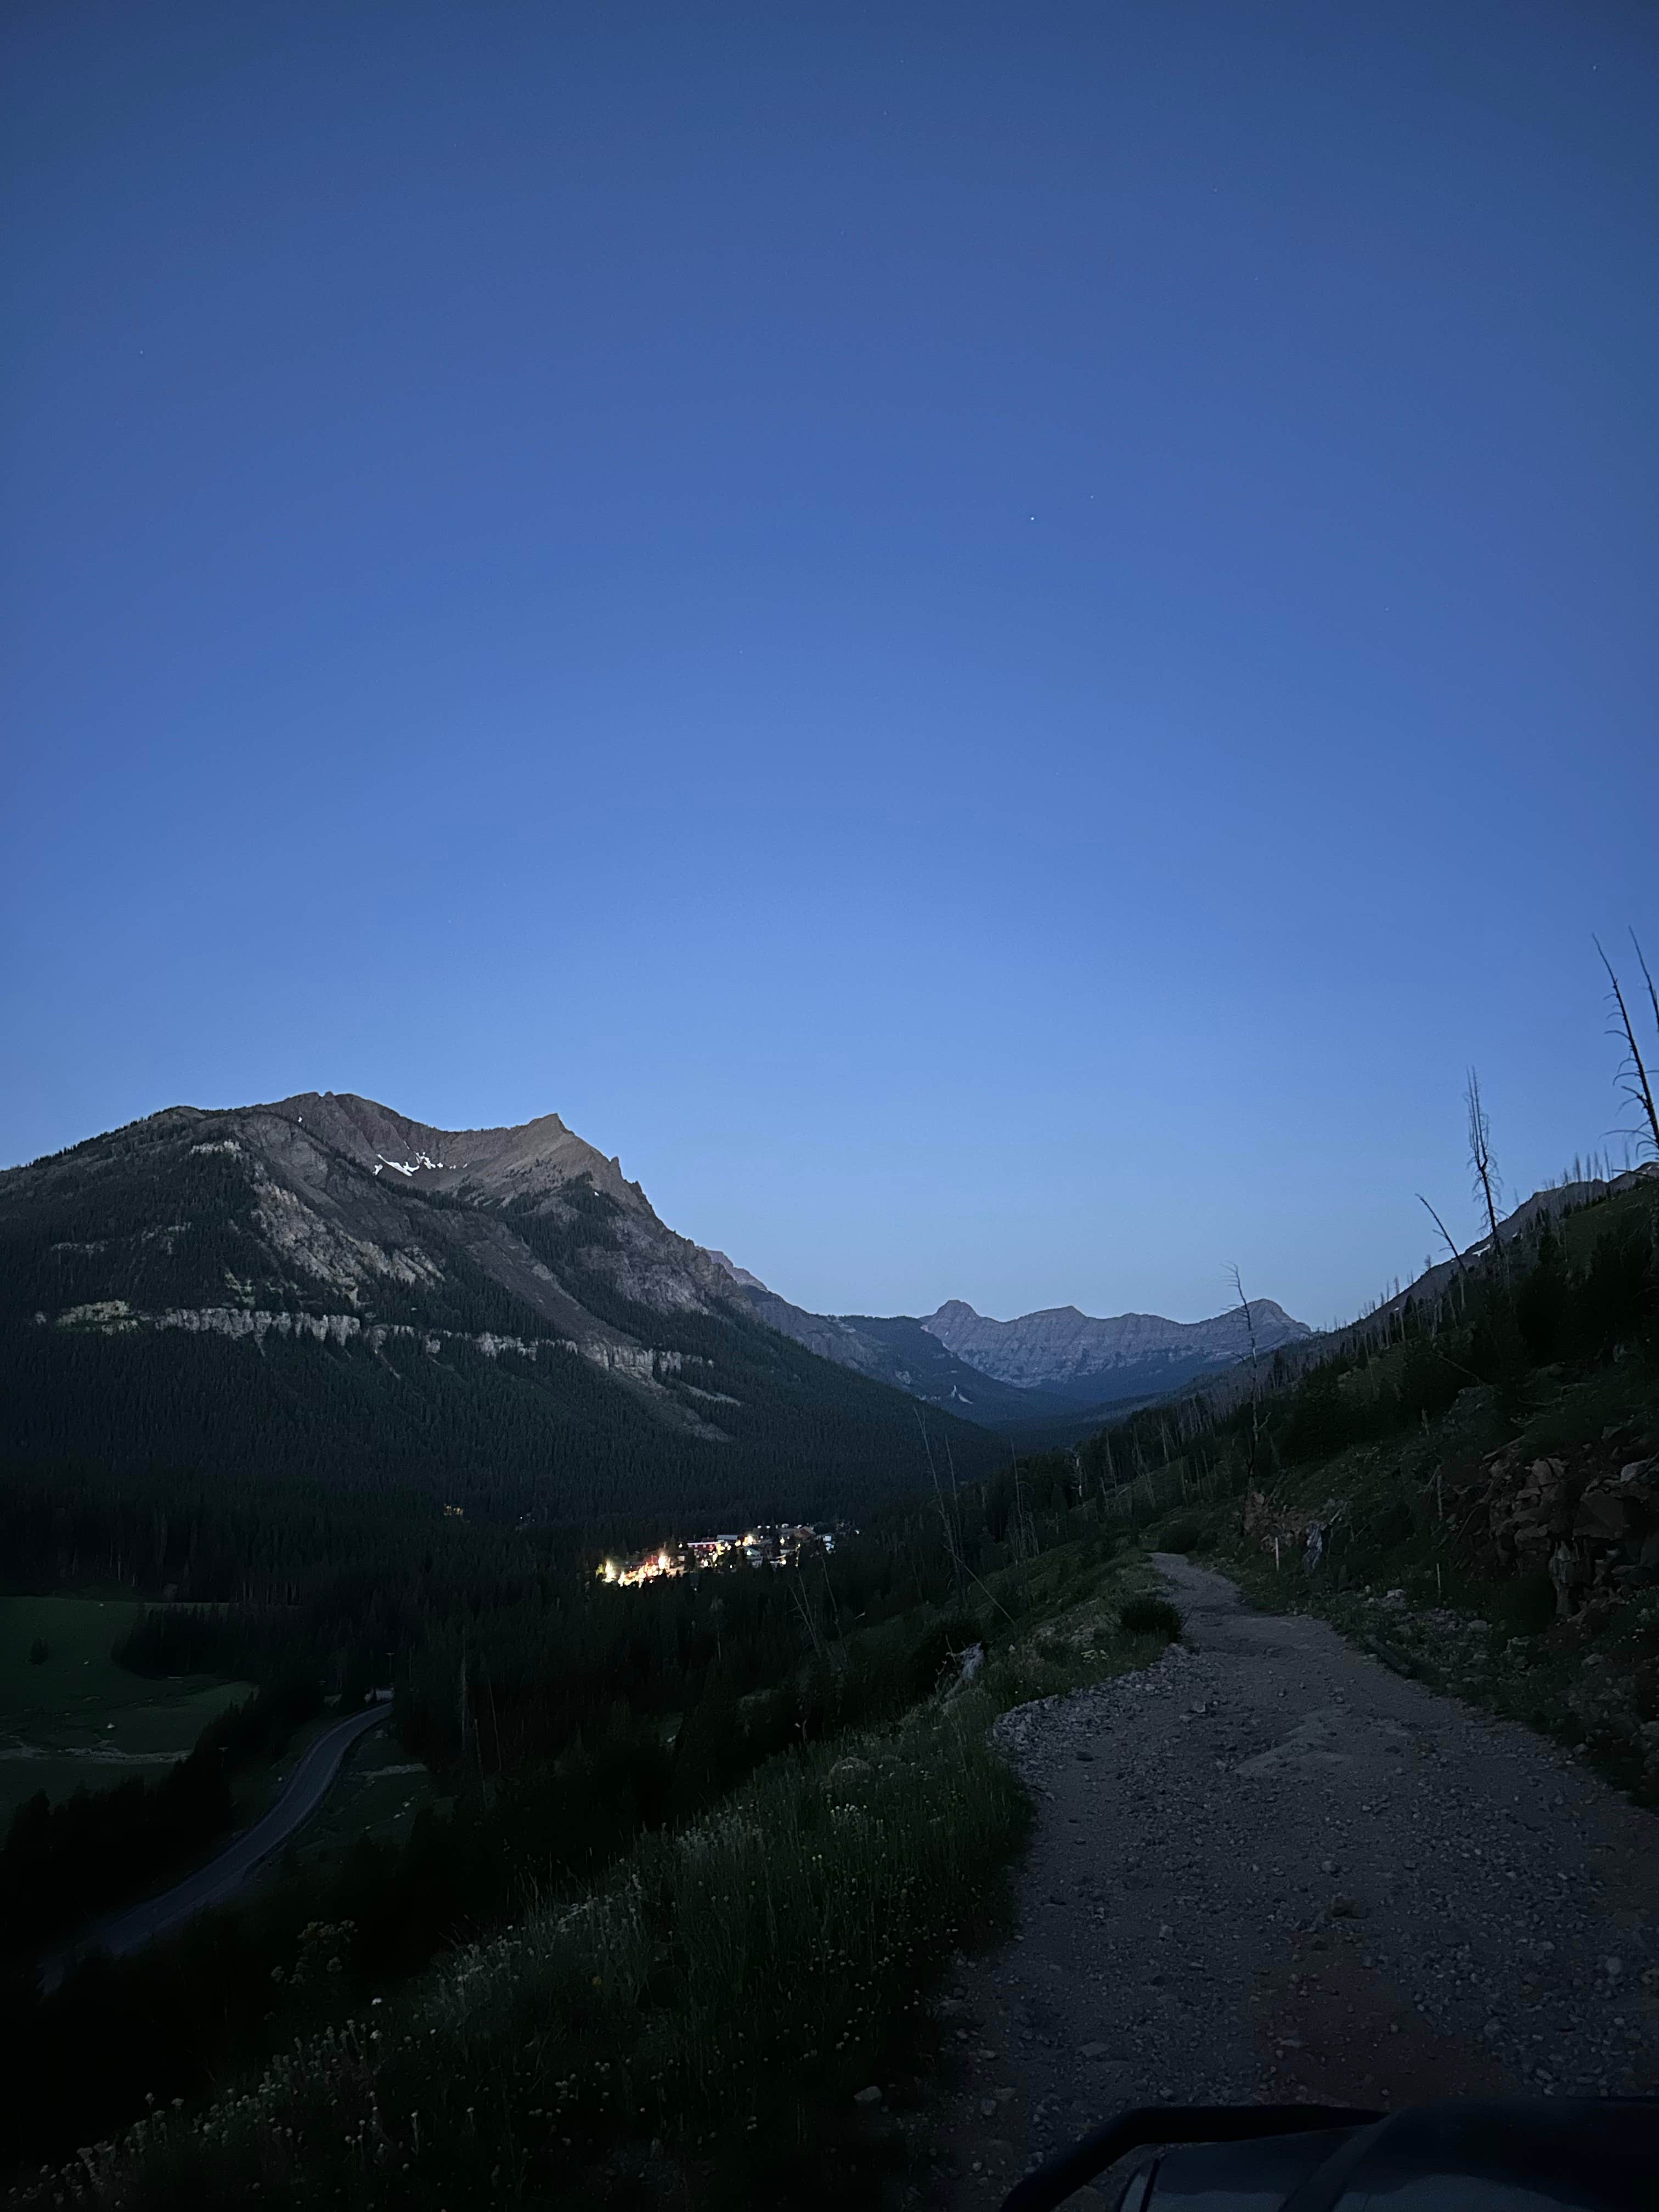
[(1268, 1869)]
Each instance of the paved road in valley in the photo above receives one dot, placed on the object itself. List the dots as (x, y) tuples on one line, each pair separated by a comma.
[(221, 1877)]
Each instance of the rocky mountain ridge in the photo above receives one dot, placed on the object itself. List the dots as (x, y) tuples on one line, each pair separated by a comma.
[(1058, 1365), (1061, 1348), (321, 1284)]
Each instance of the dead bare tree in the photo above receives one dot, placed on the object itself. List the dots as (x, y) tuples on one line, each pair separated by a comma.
[(1255, 1379), (1633, 1074), (808, 1612), (953, 1543), (1022, 1549), (1441, 1226), (1480, 1159)]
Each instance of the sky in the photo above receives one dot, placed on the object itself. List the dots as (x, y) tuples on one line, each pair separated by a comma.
[(993, 640)]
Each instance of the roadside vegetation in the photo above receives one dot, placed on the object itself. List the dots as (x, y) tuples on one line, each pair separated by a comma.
[(1469, 1488), (822, 1716), (692, 2022)]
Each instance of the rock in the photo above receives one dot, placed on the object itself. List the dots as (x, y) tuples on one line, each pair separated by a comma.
[(1566, 1575), (869, 2096), (987, 2108), (1605, 1515)]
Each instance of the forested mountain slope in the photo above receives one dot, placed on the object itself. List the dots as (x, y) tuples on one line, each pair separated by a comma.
[(324, 1288)]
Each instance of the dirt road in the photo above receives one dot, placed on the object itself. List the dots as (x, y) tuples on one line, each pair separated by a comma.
[(1269, 1867)]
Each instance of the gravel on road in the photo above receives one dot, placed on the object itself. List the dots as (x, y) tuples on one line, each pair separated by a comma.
[(1266, 1867)]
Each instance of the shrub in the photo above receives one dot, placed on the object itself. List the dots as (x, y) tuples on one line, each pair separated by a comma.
[(1183, 1536), (1151, 1616), (1527, 1607)]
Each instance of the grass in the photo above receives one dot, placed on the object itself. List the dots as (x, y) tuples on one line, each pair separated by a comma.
[(699, 2026), (79, 1633), (378, 1793), (75, 1720), (724, 1995)]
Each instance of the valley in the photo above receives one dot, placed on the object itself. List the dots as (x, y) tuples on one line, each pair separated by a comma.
[(474, 1438)]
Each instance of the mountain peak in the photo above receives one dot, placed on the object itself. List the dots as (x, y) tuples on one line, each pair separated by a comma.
[(518, 1160)]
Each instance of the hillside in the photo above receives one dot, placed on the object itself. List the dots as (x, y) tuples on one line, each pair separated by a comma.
[(323, 1287), (1466, 1480)]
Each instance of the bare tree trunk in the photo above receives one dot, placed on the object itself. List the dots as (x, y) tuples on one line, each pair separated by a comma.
[(1480, 1159), (1441, 1226), (950, 1542), (1635, 1077), (804, 1606), (1255, 1386), (1020, 1551)]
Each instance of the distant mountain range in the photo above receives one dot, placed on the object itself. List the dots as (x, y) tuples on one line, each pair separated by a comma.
[(1059, 1370)]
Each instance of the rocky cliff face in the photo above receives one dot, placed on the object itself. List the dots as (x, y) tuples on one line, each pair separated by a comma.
[(344, 1215)]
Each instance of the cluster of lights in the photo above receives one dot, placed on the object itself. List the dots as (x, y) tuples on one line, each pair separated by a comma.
[(781, 1547)]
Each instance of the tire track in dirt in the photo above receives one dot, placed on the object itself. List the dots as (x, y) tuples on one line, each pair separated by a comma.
[(1267, 1868)]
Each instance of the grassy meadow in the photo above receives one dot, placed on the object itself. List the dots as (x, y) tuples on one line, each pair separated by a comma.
[(75, 1720)]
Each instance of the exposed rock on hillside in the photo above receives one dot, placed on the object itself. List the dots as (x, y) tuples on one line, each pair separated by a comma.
[(1062, 1347), (324, 1286), (1587, 1519)]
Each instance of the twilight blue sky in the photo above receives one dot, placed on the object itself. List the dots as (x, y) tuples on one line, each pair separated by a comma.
[(991, 639)]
